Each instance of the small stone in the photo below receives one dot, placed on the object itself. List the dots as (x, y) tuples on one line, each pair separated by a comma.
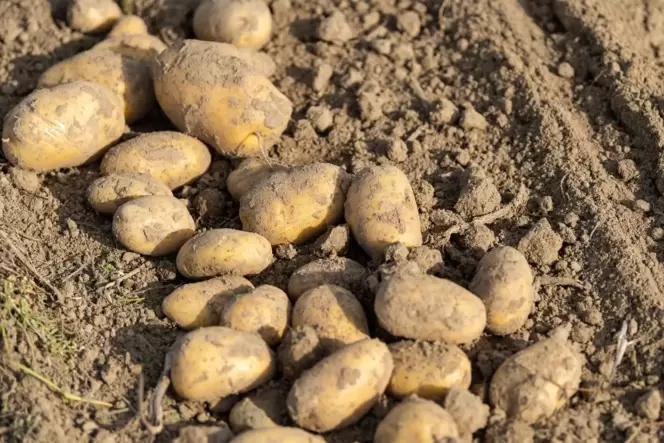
[(445, 112), (286, 251), (627, 169), (335, 29), (89, 426), (382, 45), (468, 410), (397, 151), (463, 158), (479, 196), (565, 70), (471, 119), (209, 203), (642, 205), (541, 244), (25, 180), (409, 22), (320, 117), (335, 241), (649, 405), (322, 77), (657, 233), (208, 434), (370, 19)]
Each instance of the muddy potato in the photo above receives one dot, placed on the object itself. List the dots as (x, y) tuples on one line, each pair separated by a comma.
[(228, 105), (62, 127), (143, 47), (153, 225), (504, 282), (381, 210), (93, 15), (278, 434), (248, 174), (215, 362), (265, 408), (108, 193), (196, 305), (296, 205), (337, 271), (128, 25), (417, 420), (175, 159), (243, 23), (299, 350)]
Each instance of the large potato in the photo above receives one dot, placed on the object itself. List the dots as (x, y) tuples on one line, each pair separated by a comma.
[(279, 434), (93, 15), (243, 23), (175, 159), (381, 210), (417, 420), (143, 47), (215, 362), (296, 205), (108, 193), (128, 25), (153, 225), (342, 387), (228, 104), (196, 305), (504, 282), (424, 307), (224, 251), (62, 127), (248, 174), (337, 271)]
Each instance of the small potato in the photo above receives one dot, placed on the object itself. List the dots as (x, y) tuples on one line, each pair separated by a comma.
[(227, 105), (196, 305), (175, 159), (337, 271), (278, 434), (265, 408), (243, 23), (299, 350), (417, 420), (424, 307), (381, 210), (248, 174), (215, 362), (428, 369), (266, 310), (128, 25), (62, 127), (93, 15), (143, 47), (296, 205), (153, 225), (342, 387), (504, 282), (224, 251), (107, 194)]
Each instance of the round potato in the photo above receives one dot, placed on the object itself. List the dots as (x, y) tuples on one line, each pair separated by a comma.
[(266, 408), (224, 251), (62, 127), (153, 225), (337, 271), (215, 362), (278, 434), (341, 388), (128, 25), (228, 104), (108, 193), (504, 282), (196, 305), (417, 420), (381, 210), (243, 23), (296, 205), (299, 350), (93, 15), (424, 307), (143, 47), (175, 159), (249, 173)]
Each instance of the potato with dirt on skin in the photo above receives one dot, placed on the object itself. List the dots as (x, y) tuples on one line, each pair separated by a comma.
[(277, 434), (196, 305), (339, 271), (248, 174), (62, 127), (175, 159), (93, 15), (243, 23), (263, 408), (299, 350), (108, 193), (128, 25), (215, 362), (417, 420), (143, 47)]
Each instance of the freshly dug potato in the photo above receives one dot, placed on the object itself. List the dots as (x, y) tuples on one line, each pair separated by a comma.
[(62, 127), (143, 47), (175, 159), (126, 76), (428, 369), (424, 307), (227, 105), (249, 173), (534, 383), (93, 15), (381, 210), (266, 310), (196, 305), (278, 434), (128, 25), (243, 23), (224, 251), (416, 420), (266, 408), (108, 193), (299, 350), (504, 282), (337, 271), (153, 225), (215, 362), (296, 205), (342, 387)]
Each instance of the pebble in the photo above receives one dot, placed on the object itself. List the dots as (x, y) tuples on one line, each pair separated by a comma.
[(649, 405), (642, 205), (409, 22), (322, 77), (657, 233), (397, 151), (463, 158), (382, 46), (565, 70), (541, 244), (335, 29), (471, 119)]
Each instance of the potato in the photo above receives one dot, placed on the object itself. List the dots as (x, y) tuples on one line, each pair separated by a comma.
[(243, 23), (128, 25), (175, 159), (296, 205), (534, 383), (417, 420), (93, 15), (266, 310), (62, 127), (249, 173), (224, 251), (337, 271), (424, 307), (143, 47), (299, 350), (266, 408), (428, 369), (196, 305), (504, 282), (153, 225), (227, 105), (215, 362), (341, 388), (381, 210), (278, 434), (108, 193)]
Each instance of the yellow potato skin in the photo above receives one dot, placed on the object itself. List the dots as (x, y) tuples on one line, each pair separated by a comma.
[(175, 159), (63, 127), (280, 434), (228, 105), (215, 362), (143, 47), (128, 25), (197, 305), (381, 210), (108, 193), (243, 23), (224, 251), (248, 174), (93, 15), (417, 420)]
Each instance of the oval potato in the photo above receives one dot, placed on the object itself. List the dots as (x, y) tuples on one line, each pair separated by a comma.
[(243, 23), (338, 271), (249, 173), (128, 25), (277, 434), (108, 193), (417, 420), (93, 15)]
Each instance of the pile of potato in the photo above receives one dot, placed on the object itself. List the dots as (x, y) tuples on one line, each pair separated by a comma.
[(317, 335)]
